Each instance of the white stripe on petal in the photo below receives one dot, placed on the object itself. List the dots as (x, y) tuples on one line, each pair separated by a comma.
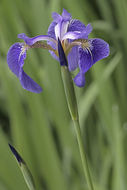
[(31, 41), (61, 29), (57, 30), (64, 27), (72, 35), (42, 38)]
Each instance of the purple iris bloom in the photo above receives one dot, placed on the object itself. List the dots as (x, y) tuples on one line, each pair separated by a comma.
[(80, 51)]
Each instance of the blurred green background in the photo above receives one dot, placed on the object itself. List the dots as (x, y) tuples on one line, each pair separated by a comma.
[(39, 125)]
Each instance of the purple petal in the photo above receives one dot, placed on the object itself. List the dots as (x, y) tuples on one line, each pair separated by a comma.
[(66, 16), (86, 32), (72, 35), (79, 80), (76, 25), (73, 59), (61, 29), (57, 29), (85, 60), (88, 29), (51, 33), (28, 83), (31, 41), (78, 34), (61, 20), (62, 23), (15, 57), (51, 30), (99, 49), (56, 17)]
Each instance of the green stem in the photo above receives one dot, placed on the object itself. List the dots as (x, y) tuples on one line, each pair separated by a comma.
[(72, 105), (83, 155)]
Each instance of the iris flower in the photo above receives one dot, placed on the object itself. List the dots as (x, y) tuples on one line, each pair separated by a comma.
[(80, 51)]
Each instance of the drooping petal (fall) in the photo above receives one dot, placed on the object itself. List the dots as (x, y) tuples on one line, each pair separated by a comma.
[(15, 59), (79, 79), (98, 50), (28, 83)]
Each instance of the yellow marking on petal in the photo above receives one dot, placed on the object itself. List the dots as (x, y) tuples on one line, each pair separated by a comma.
[(84, 43), (90, 53), (43, 46)]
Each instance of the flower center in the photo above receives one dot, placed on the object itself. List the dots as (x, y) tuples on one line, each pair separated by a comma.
[(67, 46), (84, 43)]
